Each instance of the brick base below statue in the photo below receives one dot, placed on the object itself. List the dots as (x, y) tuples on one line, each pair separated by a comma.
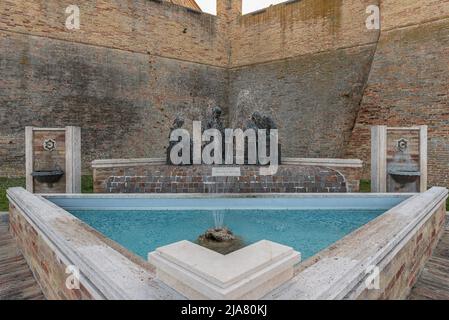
[(163, 178)]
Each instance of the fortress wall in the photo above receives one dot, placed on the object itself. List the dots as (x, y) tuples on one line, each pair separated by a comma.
[(124, 102), (306, 63), (297, 28), (313, 98), (141, 26), (409, 81), (312, 64), (122, 77)]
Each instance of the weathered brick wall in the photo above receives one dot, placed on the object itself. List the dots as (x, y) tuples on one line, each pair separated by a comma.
[(297, 28), (133, 65), (47, 265), (199, 179), (352, 176), (313, 98), (121, 77), (403, 13), (399, 275), (408, 83), (124, 102), (306, 63), (140, 26)]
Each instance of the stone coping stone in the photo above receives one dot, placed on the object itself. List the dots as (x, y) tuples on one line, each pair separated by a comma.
[(231, 276), (336, 271), (112, 163), (108, 273)]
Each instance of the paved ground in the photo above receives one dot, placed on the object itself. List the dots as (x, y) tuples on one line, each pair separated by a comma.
[(16, 280), (433, 283)]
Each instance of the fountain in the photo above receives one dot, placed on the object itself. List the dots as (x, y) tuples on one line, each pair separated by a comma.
[(220, 239), (403, 169), (49, 177), (398, 159), (53, 159)]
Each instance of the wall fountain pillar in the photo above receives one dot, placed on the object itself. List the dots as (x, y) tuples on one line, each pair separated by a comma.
[(398, 159), (53, 159)]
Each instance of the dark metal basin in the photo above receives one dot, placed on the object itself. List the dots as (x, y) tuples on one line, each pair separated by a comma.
[(49, 177), (403, 177)]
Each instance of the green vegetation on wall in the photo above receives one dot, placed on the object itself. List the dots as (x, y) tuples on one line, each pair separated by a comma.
[(5, 183)]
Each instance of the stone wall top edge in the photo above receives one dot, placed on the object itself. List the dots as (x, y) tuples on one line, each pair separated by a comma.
[(112, 163)]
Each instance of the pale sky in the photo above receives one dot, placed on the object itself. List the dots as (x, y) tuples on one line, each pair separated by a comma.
[(248, 5)]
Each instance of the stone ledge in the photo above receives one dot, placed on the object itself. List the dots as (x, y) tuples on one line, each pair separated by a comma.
[(339, 272), (113, 163), (325, 162), (200, 273), (105, 272)]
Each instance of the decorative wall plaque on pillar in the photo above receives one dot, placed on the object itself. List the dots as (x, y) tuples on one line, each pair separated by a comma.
[(398, 159), (53, 160)]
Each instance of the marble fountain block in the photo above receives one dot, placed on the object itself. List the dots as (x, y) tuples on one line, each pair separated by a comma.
[(200, 273)]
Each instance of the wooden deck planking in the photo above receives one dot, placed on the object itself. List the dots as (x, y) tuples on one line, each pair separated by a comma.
[(16, 279), (433, 282)]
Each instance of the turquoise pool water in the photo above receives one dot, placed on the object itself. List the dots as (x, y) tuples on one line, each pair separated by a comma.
[(307, 230)]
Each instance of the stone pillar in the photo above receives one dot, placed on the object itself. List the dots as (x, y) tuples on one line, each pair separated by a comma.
[(398, 159), (231, 9), (379, 159), (53, 160), (423, 157)]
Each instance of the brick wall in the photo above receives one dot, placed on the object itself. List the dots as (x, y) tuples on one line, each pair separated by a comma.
[(199, 179), (121, 77), (140, 26), (47, 265), (124, 102), (312, 64), (408, 83), (399, 275), (299, 28), (313, 98)]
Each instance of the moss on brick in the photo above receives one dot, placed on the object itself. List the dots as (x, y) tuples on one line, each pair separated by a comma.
[(5, 183), (365, 185)]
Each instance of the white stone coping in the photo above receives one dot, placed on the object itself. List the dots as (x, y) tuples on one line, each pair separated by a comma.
[(222, 195), (336, 275), (231, 276), (115, 163), (104, 271), (324, 162), (342, 269)]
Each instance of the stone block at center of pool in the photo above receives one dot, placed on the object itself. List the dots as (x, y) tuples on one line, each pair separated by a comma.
[(248, 273)]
